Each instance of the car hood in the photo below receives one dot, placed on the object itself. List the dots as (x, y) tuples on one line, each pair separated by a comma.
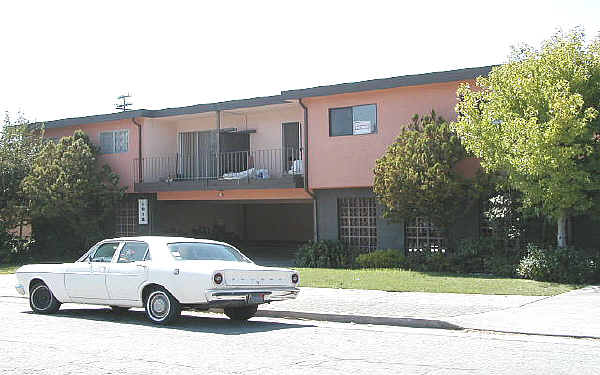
[(43, 268)]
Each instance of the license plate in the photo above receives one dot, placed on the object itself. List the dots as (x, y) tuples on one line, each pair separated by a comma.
[(256, 298)]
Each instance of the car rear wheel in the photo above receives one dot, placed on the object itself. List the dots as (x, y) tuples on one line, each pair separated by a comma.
[(161, 306), (41, 299), (241, 313)]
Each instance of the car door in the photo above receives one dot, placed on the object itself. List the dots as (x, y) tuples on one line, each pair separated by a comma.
[(128, 271), (87, 279)]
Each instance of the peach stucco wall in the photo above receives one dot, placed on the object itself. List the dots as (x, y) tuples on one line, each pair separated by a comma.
[(121, 163), (160, 135), (348, 161)]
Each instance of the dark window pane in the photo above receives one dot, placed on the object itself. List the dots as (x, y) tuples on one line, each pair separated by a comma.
[(105, 252), (133, 252), (107, 144), (340, 121)]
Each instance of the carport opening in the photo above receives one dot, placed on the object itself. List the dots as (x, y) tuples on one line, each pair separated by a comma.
[(267, 232)]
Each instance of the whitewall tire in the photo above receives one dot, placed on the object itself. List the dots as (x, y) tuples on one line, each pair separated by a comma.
[(41, 299), (161, 307)]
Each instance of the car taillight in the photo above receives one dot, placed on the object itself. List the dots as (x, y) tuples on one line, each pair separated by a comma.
[(295, 278), (218, 278)]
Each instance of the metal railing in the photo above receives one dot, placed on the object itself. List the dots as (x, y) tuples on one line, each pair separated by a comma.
[(236, 165)]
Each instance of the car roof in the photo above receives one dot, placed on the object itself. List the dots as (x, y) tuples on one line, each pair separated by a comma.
[(162, 239)]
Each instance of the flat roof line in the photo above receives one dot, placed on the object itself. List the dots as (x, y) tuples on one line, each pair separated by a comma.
[(283, 98)]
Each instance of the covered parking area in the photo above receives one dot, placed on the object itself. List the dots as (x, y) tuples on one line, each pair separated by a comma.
[(268, 231)]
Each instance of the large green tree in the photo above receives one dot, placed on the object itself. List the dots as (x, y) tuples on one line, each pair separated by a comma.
[(417, 175), (19, 144), (535, 119), (68, 186)]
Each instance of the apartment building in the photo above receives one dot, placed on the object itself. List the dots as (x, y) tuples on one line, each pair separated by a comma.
[(290, 167)]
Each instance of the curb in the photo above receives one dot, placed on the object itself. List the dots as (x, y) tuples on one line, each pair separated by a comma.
[(360, 319)]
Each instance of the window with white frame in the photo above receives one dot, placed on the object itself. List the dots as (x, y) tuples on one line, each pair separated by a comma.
[(115, 141), (357, 218), (422, 235), (359, 119)]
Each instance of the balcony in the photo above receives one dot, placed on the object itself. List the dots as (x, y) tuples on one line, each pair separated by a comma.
[(258, 169)]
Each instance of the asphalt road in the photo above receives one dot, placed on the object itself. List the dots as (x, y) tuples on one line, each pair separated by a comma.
[(94, 340)]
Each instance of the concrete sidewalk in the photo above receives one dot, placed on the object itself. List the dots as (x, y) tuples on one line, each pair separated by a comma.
[(573, 314)]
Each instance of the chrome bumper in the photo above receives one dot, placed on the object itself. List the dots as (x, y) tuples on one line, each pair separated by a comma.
[(242, 295), (20, 289)]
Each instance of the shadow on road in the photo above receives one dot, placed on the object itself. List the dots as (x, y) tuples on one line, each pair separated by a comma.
[(190, 323)]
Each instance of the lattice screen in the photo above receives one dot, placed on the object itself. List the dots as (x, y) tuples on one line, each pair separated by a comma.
[(357, 218), (127, 218), (423, 236)]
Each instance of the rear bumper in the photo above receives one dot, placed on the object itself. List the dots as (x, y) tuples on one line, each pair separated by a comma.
[(215, 296)]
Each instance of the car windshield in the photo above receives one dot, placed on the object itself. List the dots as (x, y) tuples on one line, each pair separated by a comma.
[(205, 251)]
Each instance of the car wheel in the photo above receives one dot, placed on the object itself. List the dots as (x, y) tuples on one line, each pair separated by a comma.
[(241, 313), (161, 306), (119, 309), (41, 299)]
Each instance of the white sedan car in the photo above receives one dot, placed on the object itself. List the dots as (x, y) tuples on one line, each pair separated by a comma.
[(162, 274)]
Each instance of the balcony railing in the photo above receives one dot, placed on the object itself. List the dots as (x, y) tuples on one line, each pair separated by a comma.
[(206, 166)]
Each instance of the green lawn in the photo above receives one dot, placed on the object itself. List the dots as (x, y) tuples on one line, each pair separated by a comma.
[(409, 281), (8, 268)]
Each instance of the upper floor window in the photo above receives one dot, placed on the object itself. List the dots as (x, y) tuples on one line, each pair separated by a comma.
[(360, 119), (114, 141)]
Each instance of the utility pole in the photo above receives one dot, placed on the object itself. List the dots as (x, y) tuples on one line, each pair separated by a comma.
[(124, 104)]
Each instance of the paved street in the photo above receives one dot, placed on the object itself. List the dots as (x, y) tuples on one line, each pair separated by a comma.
[(83, 339)]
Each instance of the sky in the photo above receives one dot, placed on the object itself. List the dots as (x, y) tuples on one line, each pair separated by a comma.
[(64, 59)]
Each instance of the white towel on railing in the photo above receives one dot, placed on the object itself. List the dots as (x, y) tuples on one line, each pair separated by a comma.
[(249, 173)]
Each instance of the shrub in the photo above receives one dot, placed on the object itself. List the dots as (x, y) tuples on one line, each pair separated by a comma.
[(568, 265), (472, 255), (14, 249), (325, 254), (382, 259)]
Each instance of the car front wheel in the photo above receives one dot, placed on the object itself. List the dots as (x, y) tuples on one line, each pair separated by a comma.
[(240, 313), (41, 299), (161, 307)]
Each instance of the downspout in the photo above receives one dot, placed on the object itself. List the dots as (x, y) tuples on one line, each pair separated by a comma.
[(218, 144), (140, 170), (305, 158)]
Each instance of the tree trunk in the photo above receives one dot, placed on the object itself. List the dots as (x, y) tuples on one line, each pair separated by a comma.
[(561, 233)]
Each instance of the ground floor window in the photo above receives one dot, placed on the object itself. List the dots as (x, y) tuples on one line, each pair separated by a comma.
[(357, 218), (422, 235), (127, 218)]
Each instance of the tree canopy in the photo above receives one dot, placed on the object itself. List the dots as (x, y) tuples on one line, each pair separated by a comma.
[(67, 185), (19, 145), (417, 175), (535, 119)]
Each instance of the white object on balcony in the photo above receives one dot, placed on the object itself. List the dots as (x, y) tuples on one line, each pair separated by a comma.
[(262, 173), (249, 173), (297, 167)]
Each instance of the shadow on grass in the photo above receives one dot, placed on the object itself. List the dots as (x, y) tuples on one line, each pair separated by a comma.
[(190, 323)]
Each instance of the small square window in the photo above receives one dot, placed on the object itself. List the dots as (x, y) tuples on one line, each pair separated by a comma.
[(360, 119), (114, 141)]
